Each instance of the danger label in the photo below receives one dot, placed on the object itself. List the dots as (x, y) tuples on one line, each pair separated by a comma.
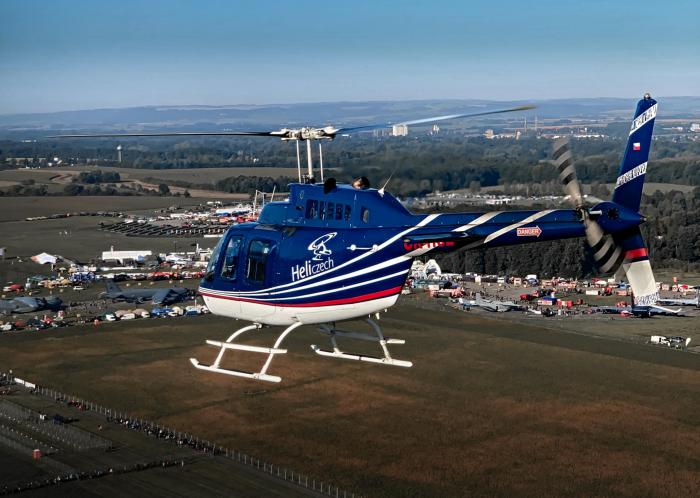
[(529, 231)]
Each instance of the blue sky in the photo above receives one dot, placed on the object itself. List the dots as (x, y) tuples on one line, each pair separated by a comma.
[(62, 54)]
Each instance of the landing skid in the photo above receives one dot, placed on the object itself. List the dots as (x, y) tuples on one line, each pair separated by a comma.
[(229, 344), (333, 332), (328, 329)]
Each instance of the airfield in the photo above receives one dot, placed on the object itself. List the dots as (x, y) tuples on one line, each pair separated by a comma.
[(495, 404), (489, 408)]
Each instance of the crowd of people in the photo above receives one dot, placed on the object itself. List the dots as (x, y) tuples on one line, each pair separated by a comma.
[(91, 474), (166, 434)]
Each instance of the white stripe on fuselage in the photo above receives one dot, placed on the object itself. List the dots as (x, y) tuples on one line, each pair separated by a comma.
[(379, 266), (507, 229), (329, 291), (478, 221)]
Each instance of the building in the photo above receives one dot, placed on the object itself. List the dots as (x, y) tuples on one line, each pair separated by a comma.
[(399, 130), (122, 256)]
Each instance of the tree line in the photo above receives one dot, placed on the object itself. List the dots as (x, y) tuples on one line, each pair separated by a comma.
[(672, 235)]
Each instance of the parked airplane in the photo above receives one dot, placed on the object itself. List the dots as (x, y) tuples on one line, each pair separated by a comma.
[(29, 304), (166, 295), (496, 305), (640, 311), (681, 302)]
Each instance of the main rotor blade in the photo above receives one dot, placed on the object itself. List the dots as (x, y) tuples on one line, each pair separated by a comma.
[(173, 134), (434, 119)]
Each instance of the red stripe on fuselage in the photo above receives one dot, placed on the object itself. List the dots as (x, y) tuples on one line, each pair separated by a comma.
[(332, 302), (636, 253)]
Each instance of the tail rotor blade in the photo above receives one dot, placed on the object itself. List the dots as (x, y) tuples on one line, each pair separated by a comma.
[(607, 253), (563, 160)]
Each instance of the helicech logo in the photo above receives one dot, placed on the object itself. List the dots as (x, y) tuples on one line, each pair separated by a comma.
[(320, 261)]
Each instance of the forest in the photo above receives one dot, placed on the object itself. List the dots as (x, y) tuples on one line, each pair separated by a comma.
[(418, 165)]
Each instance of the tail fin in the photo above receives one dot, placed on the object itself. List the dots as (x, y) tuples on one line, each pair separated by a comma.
[(630, 180), (112, 286), (638, 269)]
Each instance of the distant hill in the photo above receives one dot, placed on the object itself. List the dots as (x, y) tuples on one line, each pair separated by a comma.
[(322, 113)]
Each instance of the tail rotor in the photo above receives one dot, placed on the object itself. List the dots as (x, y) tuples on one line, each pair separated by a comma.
[(607, 254)]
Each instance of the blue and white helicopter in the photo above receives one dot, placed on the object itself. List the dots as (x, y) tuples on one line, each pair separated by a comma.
[(336, 252)]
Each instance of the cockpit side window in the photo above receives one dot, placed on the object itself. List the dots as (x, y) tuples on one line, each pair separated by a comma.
[(329, 211), (311, 209), (321, 210), (348, 212), (339, 211), (364, 214), (230, 264), (258, 253), (214, 258)]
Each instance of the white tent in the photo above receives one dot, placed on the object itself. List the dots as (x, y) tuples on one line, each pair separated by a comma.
[(44, 258)]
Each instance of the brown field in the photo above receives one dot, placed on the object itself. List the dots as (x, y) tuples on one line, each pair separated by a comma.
[(202, 175), (20, 208), (490, 408), (195, 175), (27, 238), (56, 178)]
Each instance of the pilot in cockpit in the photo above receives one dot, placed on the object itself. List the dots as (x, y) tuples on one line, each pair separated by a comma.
[(361, 183)]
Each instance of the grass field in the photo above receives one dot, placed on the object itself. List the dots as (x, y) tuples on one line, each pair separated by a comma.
[(55, 179), (50, 176), (84, 242), (196, 474), (490, 408)]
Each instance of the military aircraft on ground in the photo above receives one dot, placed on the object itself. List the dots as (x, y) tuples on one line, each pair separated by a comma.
[(27, 304), (681, 302), (157, 295), (640, 311), (495, 304)]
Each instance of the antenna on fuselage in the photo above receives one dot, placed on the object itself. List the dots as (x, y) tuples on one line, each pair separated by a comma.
[(309, 159)]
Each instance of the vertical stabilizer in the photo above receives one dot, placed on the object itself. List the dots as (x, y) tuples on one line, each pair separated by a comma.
[(630, 180), (112, 287), (638, 269)]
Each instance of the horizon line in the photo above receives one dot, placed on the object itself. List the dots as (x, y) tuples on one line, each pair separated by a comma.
[(269, 104)]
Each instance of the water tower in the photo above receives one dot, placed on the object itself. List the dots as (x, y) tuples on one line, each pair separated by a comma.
[(119, 153)]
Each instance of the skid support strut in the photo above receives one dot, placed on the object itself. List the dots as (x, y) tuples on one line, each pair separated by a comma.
[(333, 333), (229, 344)]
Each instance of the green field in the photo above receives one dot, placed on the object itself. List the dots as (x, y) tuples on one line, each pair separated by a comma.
[(490, 408), (210, 176)]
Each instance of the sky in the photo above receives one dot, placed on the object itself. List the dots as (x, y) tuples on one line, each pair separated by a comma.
[(66, 55)]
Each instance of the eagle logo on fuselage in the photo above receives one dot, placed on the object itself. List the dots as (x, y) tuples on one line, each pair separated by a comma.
[(319, 248)]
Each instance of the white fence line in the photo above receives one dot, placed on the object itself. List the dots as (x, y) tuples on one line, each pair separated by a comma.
[(192, 441)]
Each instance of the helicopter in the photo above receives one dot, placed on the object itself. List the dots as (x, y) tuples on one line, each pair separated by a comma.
[(336, 252)]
